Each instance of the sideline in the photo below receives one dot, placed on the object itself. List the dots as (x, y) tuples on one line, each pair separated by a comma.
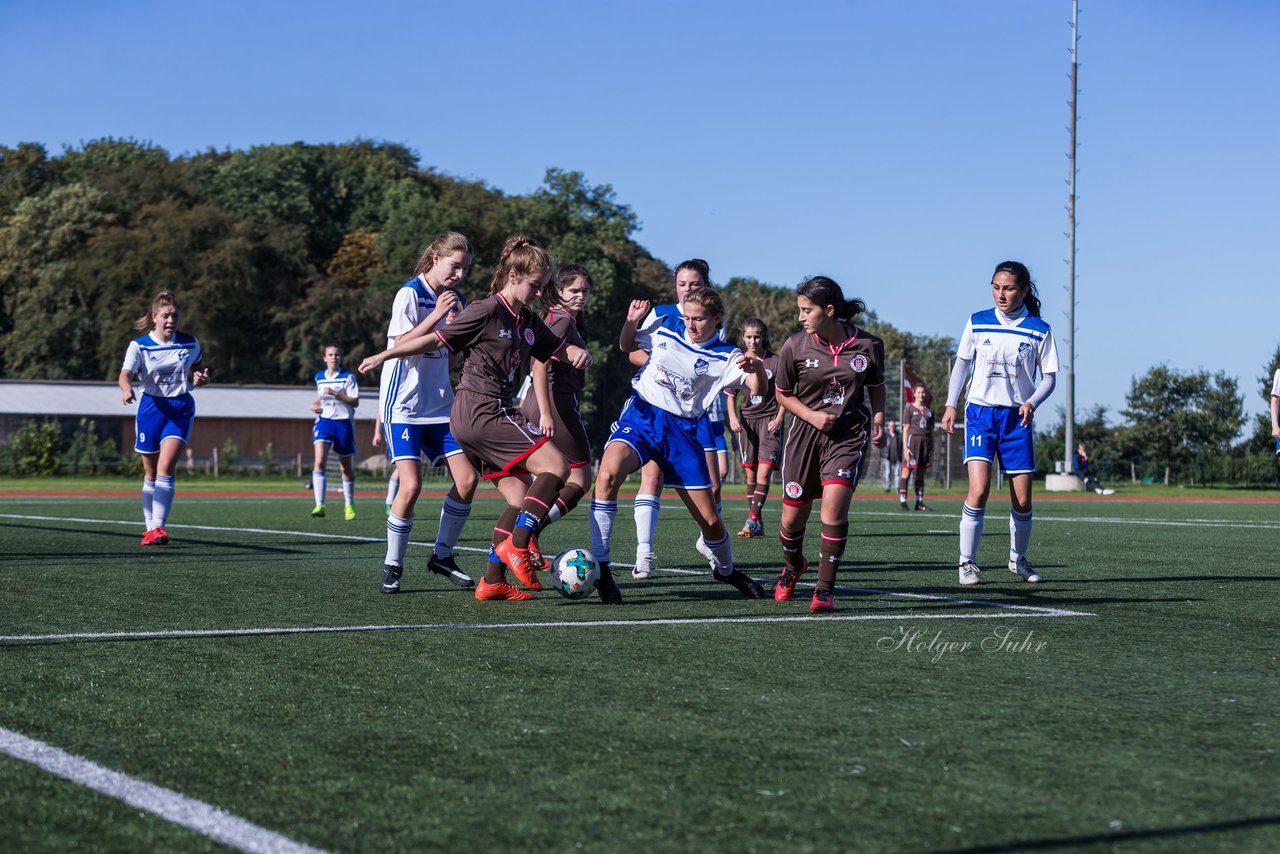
[(198, 816)]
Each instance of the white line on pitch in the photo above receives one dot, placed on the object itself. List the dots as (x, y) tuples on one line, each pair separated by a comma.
[(195, 815), (1037, 609), (558, 624)]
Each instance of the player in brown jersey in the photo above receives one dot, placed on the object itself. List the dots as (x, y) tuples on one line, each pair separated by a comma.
[(552, 402), (759, 428), (917, 445), (827, 374), (498, 335)]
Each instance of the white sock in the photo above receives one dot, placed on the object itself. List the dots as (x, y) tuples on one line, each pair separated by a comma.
[(723, 552), (163, 500), (398, 531), (971, 532), (603, 514), (148, 502), (1019, 534), (319, 485), (647, 508), (348, 491), (393, 486), (453, 516)]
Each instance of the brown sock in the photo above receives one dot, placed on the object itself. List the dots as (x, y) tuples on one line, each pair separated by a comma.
[(537, 503), (830, 552), (792, 549)]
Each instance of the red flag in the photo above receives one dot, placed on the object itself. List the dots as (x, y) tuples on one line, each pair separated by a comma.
[(909, 381)]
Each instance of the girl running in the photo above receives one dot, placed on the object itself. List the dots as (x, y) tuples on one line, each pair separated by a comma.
[(759, 428), (660, 423), (337, 397), (415, 398), (827, 373), (168, 364), (553, 403), (1007, 347), (690, 274), (497, 335)]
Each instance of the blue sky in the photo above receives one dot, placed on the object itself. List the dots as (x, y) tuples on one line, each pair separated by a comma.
[(903, 148)]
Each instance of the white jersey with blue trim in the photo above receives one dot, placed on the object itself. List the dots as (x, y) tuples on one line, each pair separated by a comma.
[(344, 382), (163, 368), (671, 316), (684, 378), (1009, 352), (415, 389)]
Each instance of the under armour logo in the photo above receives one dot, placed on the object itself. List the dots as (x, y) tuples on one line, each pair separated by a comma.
[(504, 333), (811, 363)]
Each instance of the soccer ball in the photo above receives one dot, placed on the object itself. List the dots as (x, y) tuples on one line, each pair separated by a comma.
[(575, 573)]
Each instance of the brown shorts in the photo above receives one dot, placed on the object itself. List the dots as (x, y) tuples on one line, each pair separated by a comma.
[(570, 438), (495, 438), (812, 459), (921, 452), (759, 446)]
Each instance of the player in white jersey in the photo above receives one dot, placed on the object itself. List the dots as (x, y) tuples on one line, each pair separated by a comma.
[(684, 373), (1275, 410), (168, 364), (1014, 361), (690, 274), (337, 396), (415, 398)]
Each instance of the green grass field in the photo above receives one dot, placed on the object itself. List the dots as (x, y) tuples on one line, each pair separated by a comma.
[(1128, 703)]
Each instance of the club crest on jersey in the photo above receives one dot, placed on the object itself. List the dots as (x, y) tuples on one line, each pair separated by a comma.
[(504, 333), (528, 337), (768, 374), (793, 489), (534, 428), (183, 353), (700, 367), (1024, 351), (859, 363)]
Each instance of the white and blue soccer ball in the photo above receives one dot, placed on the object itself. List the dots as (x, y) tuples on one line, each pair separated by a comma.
[(575, 573)]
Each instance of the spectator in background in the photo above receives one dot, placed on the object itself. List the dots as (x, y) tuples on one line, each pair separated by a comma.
[(891, 455), (1082, 471), (1275, 409)]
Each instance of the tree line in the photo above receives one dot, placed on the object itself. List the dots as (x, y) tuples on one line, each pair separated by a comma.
[(278, 249)]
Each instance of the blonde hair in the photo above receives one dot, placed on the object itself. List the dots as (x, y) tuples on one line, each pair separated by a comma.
[(520, 255), (708, 298), (147, 321), (445, 244)]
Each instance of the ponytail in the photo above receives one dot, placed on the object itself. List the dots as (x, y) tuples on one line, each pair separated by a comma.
[(445, 244), (523, 256)]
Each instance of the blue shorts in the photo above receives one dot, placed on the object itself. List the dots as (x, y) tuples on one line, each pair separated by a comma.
[(707, 433), (413, 441), (161, 418), (341, 434), (669, 440), (997, 430), (1278, 447)]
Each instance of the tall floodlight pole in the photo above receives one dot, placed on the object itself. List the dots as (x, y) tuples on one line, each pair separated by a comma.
[(1070, 372)]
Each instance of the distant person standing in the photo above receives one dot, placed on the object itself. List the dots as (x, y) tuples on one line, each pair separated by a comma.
[(917, 446), (337, 397), (168, 365), (759, 428), (1014, 360), (891, 455)]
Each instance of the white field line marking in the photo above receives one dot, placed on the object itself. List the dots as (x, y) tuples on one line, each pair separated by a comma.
[(1266, 525), (171, 806), (558, 624), (1034, 609)]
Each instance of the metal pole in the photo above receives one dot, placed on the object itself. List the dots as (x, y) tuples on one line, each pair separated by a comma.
[(1068, 453)]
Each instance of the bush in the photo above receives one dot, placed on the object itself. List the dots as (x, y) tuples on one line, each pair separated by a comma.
[(36, 449)]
